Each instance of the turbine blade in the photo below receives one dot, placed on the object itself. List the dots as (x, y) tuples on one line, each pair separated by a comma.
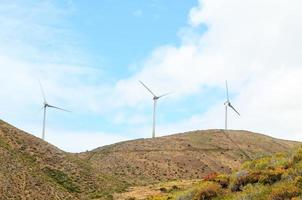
[(230, 105), (147, 88), (227, 90), (42, 91), (164, 94), (58, 108)]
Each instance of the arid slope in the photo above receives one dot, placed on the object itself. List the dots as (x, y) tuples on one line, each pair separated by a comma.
[(31, 168), (183, 156)]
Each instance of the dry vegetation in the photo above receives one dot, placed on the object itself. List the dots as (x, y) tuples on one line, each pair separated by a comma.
[(183, 156), (33, 169), (277, 177)]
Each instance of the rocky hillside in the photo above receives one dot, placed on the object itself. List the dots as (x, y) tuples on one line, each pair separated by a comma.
[(183, 156), (33, 169), (276, 177)]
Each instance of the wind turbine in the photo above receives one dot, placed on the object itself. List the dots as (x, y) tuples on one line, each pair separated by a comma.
[(45, 106), (228, 104), (155, 98)]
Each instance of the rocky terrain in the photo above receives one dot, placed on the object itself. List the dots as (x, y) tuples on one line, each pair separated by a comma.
[(275, 177), (190, 155), (33, 169)]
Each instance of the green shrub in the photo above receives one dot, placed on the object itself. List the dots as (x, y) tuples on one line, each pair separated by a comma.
[(61, 178), (253, 192), (263, 163)]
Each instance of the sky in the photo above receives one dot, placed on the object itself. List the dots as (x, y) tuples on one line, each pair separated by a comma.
[(90, 57)]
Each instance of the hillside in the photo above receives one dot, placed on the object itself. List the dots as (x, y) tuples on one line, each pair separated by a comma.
[(33, 169), (189, 155), (276, 177)]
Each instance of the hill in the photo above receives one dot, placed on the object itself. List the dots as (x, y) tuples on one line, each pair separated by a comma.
[(276, 177), (189, 155), (34, 169)]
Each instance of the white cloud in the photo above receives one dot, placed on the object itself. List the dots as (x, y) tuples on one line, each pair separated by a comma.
[(82, 141), (35, 44), (254, 44)]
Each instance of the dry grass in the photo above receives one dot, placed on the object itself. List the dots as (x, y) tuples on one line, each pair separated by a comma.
[(190, 155), (33, 169)]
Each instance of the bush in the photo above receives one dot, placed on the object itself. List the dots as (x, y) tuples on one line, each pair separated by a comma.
[(243, 178), (298, 182), (294, 171), (187, 195), (254, 192), (279, 160), (297, 156), (163, 189), (271, 176), (285, 190), (222, 179), (208, 191), (61, 178)]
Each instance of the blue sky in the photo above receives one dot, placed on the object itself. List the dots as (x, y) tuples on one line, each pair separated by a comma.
[(90, 56), (118, 34)]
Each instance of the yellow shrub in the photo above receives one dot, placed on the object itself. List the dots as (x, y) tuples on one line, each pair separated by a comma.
[(208, 191), (298, 182), (222, 179), (271, 176), (297, 156), (242, 178), (285, 190), (254, 192)]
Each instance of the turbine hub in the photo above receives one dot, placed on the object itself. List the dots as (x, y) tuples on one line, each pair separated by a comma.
[(227, 103)]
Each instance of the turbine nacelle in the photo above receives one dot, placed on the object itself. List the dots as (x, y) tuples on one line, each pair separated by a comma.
[(155, 98), (227, 104)]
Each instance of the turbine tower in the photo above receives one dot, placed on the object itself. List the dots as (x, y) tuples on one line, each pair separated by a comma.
[(228, 104), (45, 106), (155, 98)]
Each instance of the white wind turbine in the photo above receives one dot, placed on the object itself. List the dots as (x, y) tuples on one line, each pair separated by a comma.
[(155, 98), (228, 104), (45, 106)]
